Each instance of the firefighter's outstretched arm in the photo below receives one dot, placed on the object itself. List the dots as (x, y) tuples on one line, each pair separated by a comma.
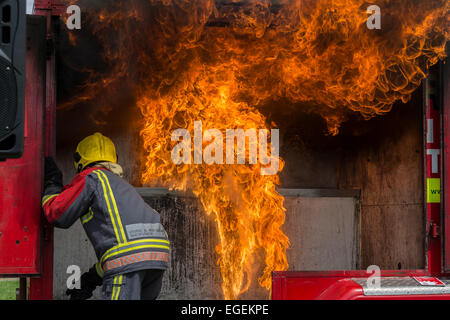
[(64, 205)]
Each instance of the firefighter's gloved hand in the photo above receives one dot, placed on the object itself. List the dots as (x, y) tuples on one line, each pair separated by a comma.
[(88, 282), (53, 176), (79, 294)]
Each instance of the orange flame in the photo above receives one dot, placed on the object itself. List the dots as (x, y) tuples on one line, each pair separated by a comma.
[(247, 209), (217, 62)]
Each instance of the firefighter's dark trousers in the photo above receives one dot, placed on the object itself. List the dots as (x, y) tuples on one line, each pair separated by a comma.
[(138, 285)]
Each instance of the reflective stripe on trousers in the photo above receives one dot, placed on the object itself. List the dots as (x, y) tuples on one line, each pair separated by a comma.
[(138, 285), (117, 284)]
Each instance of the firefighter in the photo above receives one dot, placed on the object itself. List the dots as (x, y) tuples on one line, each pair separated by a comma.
[(131, 245)]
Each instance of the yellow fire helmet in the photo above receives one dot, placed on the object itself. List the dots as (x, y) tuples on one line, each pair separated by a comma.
[(94, 148)]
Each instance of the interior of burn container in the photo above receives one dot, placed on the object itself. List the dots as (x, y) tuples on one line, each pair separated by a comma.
[(353, 200)]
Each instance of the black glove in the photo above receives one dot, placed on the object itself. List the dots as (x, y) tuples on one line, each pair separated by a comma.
[(79, 294), (88, 282), (53, 176)]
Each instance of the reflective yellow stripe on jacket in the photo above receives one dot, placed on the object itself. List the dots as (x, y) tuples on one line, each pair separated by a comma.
[(99, 269), (48, 197), (116, 211), (132, 246), (88, 216), (109, 197)]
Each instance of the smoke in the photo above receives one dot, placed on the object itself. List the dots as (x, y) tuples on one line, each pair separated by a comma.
[(317, 54)]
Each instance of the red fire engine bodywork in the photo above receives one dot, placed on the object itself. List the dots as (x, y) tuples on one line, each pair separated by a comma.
[(339, 285)]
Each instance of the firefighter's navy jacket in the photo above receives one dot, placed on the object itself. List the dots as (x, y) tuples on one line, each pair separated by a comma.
[(126, 233)]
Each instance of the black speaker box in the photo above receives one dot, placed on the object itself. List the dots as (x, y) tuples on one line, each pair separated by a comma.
[(12, 77)]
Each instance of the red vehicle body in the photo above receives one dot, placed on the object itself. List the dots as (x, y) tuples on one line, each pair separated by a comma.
[(350, 285)]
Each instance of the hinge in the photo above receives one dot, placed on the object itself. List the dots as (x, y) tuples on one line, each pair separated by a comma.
[(434, 230), (52, 7)]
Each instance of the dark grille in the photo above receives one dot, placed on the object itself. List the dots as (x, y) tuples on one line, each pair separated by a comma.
[(8, 98)]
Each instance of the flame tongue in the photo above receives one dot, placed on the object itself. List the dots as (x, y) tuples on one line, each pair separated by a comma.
[(246, 207)]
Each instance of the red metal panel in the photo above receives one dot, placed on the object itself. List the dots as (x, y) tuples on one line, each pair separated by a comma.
[(432, 154), (52, 7), (21, 179), (337, 285), (41, 288), (446, 160)]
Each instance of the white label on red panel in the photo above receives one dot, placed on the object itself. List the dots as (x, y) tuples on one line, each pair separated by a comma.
[(429, 281)]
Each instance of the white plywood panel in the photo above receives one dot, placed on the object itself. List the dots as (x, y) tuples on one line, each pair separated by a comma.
[(323, 232)]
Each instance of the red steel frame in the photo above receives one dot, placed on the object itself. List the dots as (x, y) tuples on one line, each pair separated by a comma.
[(432, 168), (445, 160), (41, 288), (338, 285)]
